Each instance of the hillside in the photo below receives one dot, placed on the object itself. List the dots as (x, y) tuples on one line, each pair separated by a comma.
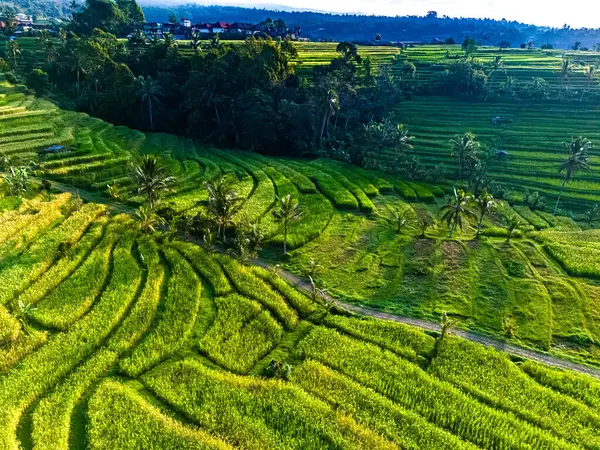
[(349, 27), (132, 342), (533, 288), (112, 337)]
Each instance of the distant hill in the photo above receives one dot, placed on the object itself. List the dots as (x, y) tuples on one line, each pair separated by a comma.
[(337, 27), (38, 8), (324, 26)]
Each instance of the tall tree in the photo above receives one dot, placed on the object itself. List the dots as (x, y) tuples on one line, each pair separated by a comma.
[(577, 160), (14, 51), (512, 227), (465, 149), (485, 205), (223, 203), (148, 92), (287, 211), (456, 210), (152, 179)]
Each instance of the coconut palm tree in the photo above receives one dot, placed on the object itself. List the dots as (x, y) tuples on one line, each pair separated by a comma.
[(331, 105), (484, 204), (399, 219), (147, 220), (288, 210), (447, 323), (42, 38), (13, 50), (402, 140), (195, 38), (508, 86), (23, 314), (578, 160), (152, 179), (514, 224), (456, 209), (223, 203), (148, 92), (318, 292), (590, 74), (465, 149), (592, 214)]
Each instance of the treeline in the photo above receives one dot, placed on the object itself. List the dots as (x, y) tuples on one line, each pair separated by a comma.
[(38, 8), (242, 95), (350, 27)]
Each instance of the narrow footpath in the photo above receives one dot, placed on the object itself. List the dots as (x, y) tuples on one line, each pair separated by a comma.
[(305, 286)]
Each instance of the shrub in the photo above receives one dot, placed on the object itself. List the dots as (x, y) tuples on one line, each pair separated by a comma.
[(38, 81)]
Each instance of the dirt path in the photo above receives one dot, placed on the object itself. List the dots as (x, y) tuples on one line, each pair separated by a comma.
[(427, 325), (305, 286)]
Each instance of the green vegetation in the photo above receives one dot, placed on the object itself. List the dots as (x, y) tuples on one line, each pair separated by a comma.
[(197, 333), (154, 329)]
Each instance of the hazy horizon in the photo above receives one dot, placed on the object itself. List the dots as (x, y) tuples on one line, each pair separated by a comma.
[(534, 11)]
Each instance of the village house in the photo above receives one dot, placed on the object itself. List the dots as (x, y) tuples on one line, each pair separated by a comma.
[(242, 28), (220, 27)]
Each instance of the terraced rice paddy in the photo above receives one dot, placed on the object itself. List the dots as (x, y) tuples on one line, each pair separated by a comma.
[(172, 347), (346, 238), (533, 141)]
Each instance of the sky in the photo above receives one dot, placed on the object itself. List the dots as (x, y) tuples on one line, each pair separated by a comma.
[(578, 13)]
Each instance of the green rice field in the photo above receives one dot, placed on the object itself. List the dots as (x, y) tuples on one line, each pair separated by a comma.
[(168, 346)]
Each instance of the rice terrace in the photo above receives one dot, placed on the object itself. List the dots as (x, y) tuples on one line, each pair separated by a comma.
[(228, 235)]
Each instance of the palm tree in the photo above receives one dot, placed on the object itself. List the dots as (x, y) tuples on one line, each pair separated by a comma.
[(590, 73), (464, 149), (508, 86), (539, 87), (514, 224), (496, 65), (223, 203), (592, 214), (23, 314), (485, 204), (318, 292), (331, 106), (288, 210), (565, 68), (399, 219), (148, 92), (447, 323), (402, 139), (152, 179), (50, 51), (578, 160), (170, 45), (43, 37), (454, 211), (196, 40), (147, 220), (13, 50)]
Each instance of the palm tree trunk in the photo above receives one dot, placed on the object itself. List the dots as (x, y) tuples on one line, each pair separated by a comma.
[(323, 126), (479, 223), (285, 238), (562, 189), (452, 228), (150, 112)]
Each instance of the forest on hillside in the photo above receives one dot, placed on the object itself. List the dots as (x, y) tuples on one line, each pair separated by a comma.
[(322, 26)]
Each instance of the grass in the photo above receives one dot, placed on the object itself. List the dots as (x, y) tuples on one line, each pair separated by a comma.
[(154, 428), (194, 333)]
